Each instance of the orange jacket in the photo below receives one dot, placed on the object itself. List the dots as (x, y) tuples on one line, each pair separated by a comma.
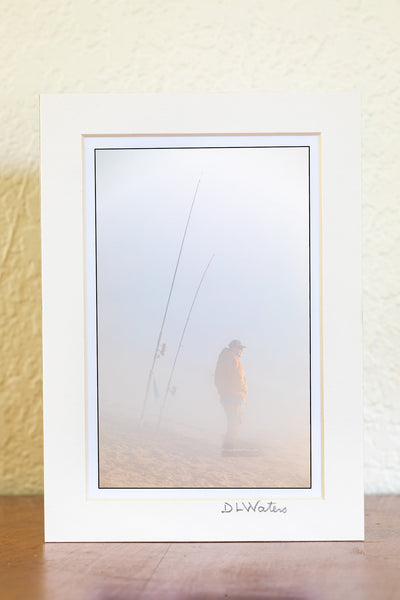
[(229, 376)]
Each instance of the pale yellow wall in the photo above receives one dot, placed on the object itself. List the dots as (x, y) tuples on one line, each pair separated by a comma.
[(196, 46)]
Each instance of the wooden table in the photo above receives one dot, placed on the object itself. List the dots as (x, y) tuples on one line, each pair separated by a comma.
[(30, 569)]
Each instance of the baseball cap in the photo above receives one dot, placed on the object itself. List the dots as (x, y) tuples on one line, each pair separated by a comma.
[(236, 344)]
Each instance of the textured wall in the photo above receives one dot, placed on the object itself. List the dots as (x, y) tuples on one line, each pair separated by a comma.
[(196, 46)]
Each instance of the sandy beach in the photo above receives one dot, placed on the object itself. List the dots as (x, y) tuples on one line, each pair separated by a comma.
[(134, 456)]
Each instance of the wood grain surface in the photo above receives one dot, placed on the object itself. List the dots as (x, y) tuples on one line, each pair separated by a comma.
[(30, 569)]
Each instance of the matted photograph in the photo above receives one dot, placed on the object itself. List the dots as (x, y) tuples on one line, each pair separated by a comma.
[(203, 313), (202, 341)]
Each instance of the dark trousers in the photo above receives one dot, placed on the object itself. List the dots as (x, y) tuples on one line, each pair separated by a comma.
[(234, 416)]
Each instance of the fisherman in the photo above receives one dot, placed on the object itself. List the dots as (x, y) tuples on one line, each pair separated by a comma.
[(232, 387)]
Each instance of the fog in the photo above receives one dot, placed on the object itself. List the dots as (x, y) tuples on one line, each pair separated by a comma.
[(251, 215)]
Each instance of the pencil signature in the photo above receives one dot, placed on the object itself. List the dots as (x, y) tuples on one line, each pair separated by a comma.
[(260, 506)]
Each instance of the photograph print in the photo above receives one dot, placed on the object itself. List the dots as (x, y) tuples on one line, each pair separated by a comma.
[(203, 312)]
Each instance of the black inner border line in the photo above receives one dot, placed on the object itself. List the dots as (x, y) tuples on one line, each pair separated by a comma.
[(95, 150), (97, 320)]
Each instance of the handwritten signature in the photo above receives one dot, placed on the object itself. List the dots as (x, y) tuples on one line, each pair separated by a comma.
[(261, 506)]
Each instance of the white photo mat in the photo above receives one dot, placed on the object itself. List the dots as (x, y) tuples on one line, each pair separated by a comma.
[(73, 129)]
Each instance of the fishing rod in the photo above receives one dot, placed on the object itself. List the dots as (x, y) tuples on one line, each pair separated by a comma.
[(168, 388), (156, 352)]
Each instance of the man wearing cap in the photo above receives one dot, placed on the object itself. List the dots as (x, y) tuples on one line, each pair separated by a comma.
[(232, 387)]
